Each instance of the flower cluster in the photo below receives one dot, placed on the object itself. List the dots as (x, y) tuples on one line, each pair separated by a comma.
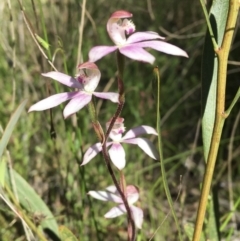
[(85, 84)]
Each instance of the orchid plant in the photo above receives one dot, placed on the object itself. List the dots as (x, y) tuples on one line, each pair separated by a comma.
[(85, 84), (116, 152)]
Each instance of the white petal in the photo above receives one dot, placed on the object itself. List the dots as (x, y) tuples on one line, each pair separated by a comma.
[(63, 79), (116, 211), (91, 153), (109, 96), (77, 103), (137, 216), (161, 46), (134, 132), (145, 145), (117, 155), (105, 196), (137, 53), (52, 101), (143, 36)]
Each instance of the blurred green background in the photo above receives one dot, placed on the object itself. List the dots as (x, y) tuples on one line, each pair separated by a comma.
[(51, 166)]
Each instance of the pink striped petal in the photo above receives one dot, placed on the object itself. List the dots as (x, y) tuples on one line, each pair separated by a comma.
[(117, 155), (116, 211), (98, 52), (63, 79), (52, 101), (107, 95), (77, 103), (137, 53), (134, 132), (121, 14), (142, 36), (162, 47)]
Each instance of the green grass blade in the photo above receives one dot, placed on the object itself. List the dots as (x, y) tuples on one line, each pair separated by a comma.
[(10, 126), (32, 202)]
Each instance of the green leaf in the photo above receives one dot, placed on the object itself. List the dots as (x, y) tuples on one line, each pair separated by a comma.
[(218, 17), (2, 172), (66, 234), (32, 202), (45, 44), (10, 126)]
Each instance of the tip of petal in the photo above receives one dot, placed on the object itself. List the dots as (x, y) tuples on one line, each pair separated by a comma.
[(121, 14), (87, 65)]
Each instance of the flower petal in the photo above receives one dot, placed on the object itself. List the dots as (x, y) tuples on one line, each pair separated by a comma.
[(145, 145), (161, 46), (91, 153), (52, 101), (132, 194), (142, 36), (117, 155), (137, 214), (134, 132), (77, 103), (105, 196), (137, 53), (63, 79), (121, 14), (98, 52), (115, 211), (107, 95)]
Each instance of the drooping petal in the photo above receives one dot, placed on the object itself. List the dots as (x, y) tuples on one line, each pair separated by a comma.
[(142, 36), (145, 145), (116, 211), (98, 52), (137, 53), (107, 95), (137, 214), (63, 79), (162, 47), (91, 153), (105, 196), (52, 101), (117, 155), (77, 103), (134, 132)]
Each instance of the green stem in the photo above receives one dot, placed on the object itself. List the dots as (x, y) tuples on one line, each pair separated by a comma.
[(164, 178), (220, 116)]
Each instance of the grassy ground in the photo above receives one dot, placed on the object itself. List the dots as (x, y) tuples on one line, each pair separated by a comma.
[(51, 166)]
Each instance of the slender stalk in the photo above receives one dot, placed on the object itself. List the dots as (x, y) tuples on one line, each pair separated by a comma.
[(163, 172), (131, 226), (220, 116)]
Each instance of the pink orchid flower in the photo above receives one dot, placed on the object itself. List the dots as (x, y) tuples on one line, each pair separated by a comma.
[(132, 195), (116, 151), (117, 26), (86, 82)]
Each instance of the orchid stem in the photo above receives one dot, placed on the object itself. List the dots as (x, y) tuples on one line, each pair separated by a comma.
[(120, 63)]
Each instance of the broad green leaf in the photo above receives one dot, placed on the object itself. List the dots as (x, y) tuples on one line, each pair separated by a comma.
[(218, 17), (66, 234), (33, 203), (10, 126)]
